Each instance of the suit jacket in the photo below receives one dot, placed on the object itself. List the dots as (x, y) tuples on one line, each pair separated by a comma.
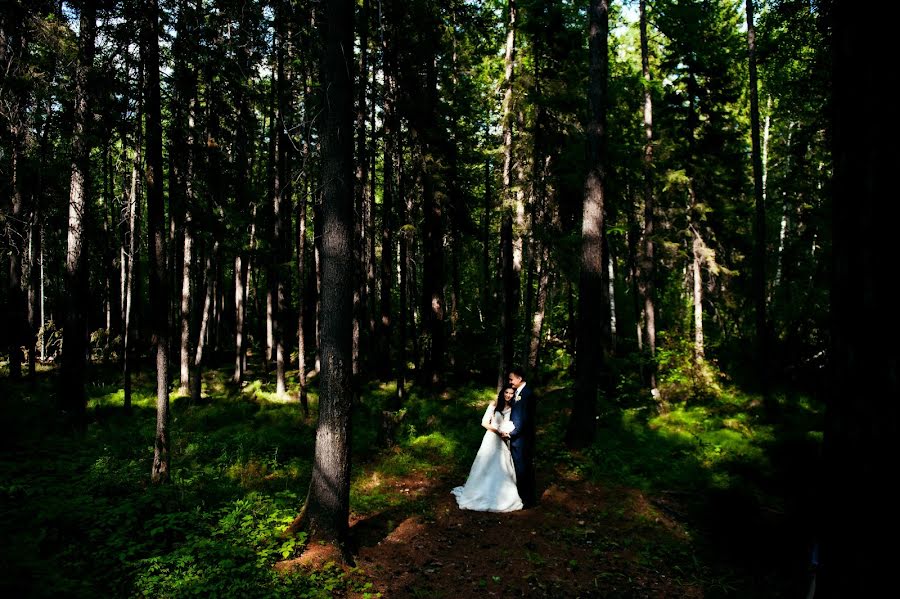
[(522, 417)]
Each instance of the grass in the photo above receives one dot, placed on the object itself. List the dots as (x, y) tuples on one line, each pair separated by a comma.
[(80, 519)]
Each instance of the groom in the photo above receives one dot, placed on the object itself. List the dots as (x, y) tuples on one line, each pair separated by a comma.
[(521, 439)]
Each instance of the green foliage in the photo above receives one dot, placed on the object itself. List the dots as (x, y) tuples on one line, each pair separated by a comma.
[(240, 472)]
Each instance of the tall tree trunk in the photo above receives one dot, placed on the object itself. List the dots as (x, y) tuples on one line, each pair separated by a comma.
[(131, 313), (862, 415), (186, 99), (239, 311), (206, 310), (327, 507), (282, 211), (35, 283), (433, 242), (537, 320), (759, 228), (388, 222), (647, 275), (486, 240), (17, 239), (589, 354), (13, 54), (74, 400), (360, 298), (697, 280), (507, 329), (510, 204), (159, 292), (301, 295)]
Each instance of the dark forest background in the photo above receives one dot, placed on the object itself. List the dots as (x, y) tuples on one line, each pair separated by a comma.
[(232, 227)]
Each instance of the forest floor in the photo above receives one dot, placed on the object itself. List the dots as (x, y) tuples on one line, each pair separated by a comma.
[(703, 501), (575, 543), (694, 533)]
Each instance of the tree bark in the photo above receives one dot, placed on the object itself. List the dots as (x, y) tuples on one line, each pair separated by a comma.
[(327, 508), (589, 359), (647, 275), (72, 393), (433, 304), (129, 363), (360, 296), (388, 223), (159, 292), (282, 208), (697, 280), (759, 227), (507, 329)]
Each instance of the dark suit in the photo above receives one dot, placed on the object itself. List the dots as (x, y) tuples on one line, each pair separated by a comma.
[(521, 444)]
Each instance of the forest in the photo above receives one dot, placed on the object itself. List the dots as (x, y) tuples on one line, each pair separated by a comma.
[(266, 262)]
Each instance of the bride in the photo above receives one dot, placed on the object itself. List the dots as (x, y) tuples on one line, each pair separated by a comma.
[(491, 486)]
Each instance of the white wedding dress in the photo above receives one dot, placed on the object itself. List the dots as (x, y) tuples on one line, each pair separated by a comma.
[(491, 486)]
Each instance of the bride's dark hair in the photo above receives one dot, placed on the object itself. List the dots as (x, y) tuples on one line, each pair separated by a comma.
[(501, 400)]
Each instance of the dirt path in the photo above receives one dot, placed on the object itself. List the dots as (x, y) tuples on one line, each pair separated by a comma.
[(578, 542)]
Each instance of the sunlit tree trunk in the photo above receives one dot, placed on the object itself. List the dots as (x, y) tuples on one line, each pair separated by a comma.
[(537, 320), (72, 392), (509, 197), (16, 237), (697, 280), (187, 91), (281, 206), (203, 332), (132, 275)]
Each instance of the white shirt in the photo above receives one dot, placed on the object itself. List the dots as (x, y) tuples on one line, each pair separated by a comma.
[(519, 390)]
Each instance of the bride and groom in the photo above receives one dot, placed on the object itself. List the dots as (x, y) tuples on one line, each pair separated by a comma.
[(502, 475)]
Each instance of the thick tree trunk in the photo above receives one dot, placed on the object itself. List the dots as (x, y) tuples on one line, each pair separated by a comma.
[(72, 392), (159, 292), (589, 354), (327, 508)]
